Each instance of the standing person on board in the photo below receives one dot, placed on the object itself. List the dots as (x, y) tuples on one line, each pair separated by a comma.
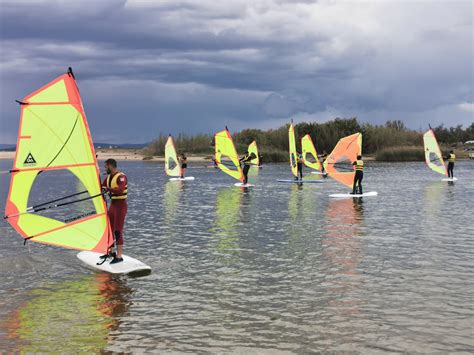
[(451, 158), (299, 165), (359, 175), (322, 158), (246, 159), (183, 164), (116, 186)]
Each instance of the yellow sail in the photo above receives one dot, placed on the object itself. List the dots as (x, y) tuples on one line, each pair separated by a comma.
[(226, 156), (310, 156), (292, 149), (54, 136), (433, 156), (171, 158), (253, 149), (338, 164)]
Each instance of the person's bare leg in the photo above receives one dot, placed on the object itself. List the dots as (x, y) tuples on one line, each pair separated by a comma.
[(119, 251)]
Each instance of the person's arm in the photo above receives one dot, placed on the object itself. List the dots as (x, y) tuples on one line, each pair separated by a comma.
[(122, 183), (354, 163)]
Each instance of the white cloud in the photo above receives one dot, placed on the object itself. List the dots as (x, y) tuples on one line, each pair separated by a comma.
[(467, 106), (375, 60)]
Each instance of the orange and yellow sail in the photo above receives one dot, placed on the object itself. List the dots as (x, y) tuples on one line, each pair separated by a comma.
[(433, 156), (338, 164), (226, 155), (310, 156), (54, 135), (172, 167)]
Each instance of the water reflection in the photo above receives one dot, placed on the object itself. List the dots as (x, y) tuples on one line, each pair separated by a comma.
[(303, 217), (171, 200), (342, 249), (227, 221), (77, 315), (341, 242)]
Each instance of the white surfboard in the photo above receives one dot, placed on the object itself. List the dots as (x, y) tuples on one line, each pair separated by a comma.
[(319, 173), (293, 181), (129, 265), (239, 184), (450, 179), (365, 194), (187, 178)]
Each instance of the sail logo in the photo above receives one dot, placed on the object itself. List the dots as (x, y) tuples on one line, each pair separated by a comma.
[(29, 160)]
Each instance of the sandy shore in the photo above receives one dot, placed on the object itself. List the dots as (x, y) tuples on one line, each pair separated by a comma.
[(7, 155), (120, 155)]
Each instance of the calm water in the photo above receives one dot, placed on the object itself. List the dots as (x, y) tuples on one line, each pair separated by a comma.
[(277, 268)]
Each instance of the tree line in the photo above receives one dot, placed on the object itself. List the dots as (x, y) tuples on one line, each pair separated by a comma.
[(273, 143)]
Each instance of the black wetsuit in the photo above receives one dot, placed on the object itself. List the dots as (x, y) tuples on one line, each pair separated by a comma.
[(359, 175), (451, 158), (246, 160), (299, 166), (321, 158)]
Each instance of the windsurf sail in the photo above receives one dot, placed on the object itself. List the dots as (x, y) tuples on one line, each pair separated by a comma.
[(433, 156), (338, 164), (310, 156), (54, 136), (171, 158), (226, 155), (253, 149), (292, 149)]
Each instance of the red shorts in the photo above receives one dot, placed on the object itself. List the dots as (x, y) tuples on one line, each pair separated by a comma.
[(117, 212)]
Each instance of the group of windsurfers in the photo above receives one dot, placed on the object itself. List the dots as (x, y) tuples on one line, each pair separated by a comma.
[(300, 161), (115, 185)]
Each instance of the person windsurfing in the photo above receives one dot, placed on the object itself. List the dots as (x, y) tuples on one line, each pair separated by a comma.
[(116, 186), (299, 164), (359, 175), (322, 158), (246, 159), (183, 164), (451, 158)]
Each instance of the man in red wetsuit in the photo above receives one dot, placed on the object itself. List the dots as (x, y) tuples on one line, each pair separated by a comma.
[(116, 185)]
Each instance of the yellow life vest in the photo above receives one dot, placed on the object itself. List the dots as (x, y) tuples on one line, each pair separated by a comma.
[(112, 183), (451, 158), (359, 166)]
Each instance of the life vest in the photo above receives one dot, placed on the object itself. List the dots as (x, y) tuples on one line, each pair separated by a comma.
[(359, 166), (247, 159), (113, 184), (451, 158)]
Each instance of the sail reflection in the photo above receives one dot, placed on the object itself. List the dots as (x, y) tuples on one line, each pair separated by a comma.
[(78, 315), (231, 208), (342, 250)]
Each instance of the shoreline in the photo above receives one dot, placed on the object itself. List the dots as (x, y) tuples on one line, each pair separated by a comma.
[(137, 155)]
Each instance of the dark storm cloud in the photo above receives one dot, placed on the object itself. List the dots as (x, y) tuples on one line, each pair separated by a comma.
[(193, 66)]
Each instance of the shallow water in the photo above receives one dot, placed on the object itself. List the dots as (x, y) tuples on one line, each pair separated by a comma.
[(277, 268)]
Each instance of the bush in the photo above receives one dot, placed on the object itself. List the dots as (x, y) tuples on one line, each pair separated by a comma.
[(401, 154), (273, 143)]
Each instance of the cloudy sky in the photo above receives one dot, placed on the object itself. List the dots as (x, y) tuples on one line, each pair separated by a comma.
[(148, 67)]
